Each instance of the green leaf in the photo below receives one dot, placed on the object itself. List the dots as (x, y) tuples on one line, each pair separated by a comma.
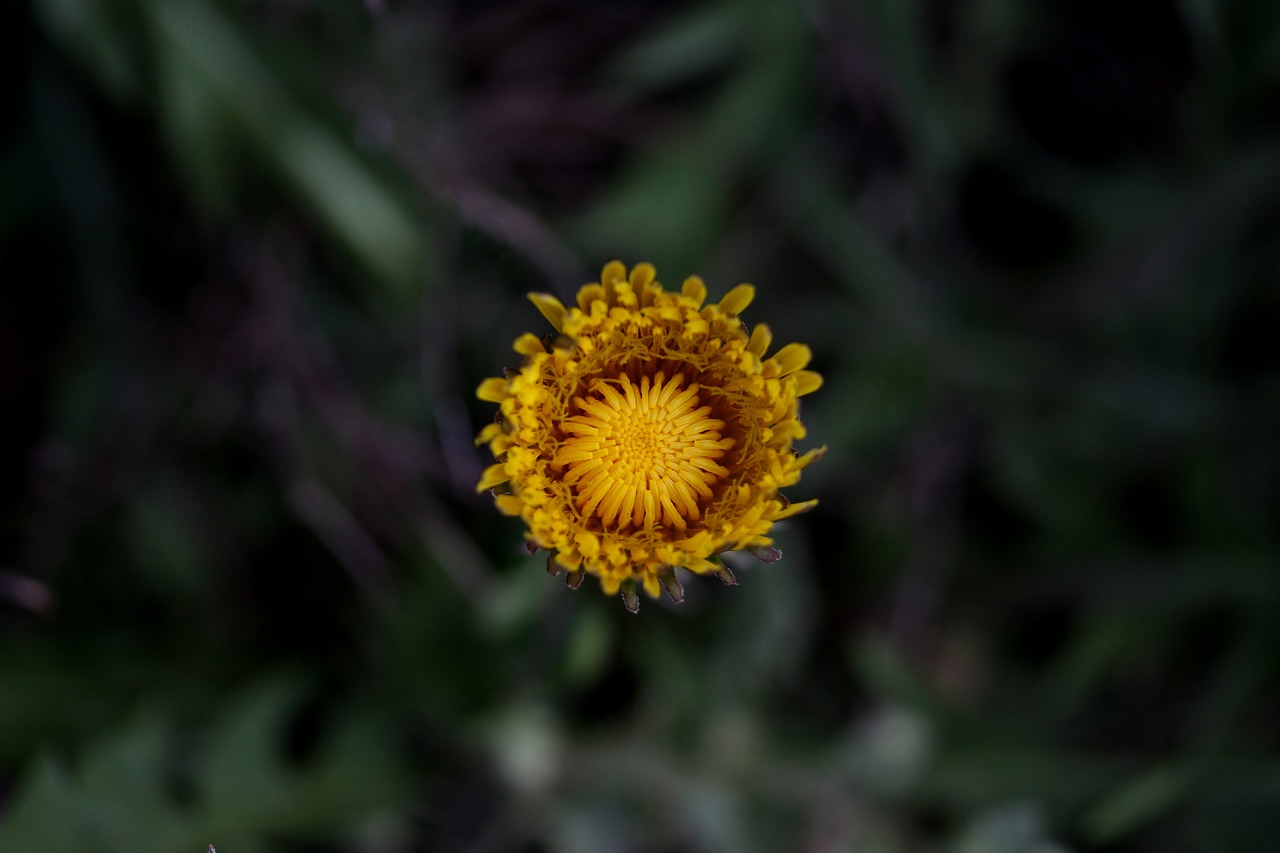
[(700, 40), (244, 779), (47, 813), (124, 795), (224, 70), (1139, 800)]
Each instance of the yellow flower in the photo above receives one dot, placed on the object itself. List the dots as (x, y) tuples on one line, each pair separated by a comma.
[(651, 433)]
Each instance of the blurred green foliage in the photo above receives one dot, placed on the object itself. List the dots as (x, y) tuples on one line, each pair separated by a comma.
[(257, 255)]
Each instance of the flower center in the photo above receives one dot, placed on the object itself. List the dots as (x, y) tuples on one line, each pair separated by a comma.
[(642, 455)]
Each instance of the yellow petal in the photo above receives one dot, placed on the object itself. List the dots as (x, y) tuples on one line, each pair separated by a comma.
[(735, 301), (509, 504), (761, 337), (807, 382), (569, 560), (796, 509), (529, 344), (493, 390), (700, 566), (551, 308), (791, 358), (613, 271), (588, 544), (588, 294), (488, 434), (494, 475), (812, 456), (694, 290), (641, 276)]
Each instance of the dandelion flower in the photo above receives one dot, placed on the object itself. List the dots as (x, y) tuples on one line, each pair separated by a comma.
[(649, 433)]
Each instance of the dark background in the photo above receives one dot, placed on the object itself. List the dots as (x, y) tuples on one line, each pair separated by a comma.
[(256, 256)]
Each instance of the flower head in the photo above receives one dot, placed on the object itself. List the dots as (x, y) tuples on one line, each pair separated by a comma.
[(650, 433)]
